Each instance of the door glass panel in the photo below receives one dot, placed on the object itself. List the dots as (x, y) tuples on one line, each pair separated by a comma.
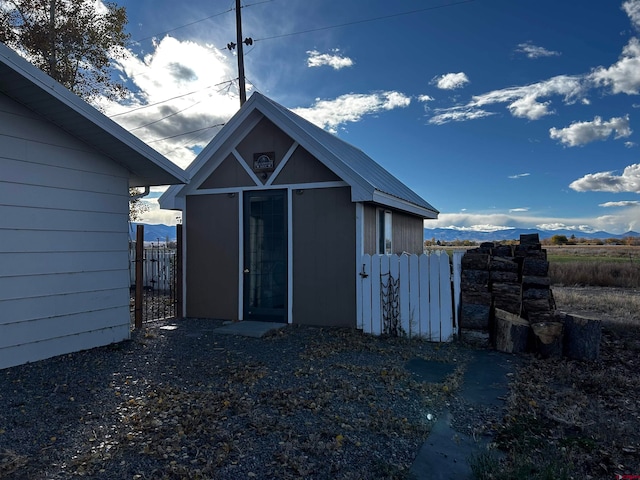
[(265, 265)]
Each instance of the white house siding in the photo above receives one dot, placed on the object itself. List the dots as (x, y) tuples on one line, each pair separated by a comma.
[(63, 242)]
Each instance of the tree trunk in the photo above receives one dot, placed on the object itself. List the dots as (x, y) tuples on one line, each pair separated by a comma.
[(475, 261), (535, 267), (475, 277), (512, 332), (507, 296), (582, 337), (535, 282), (548, 338), (503, 277), (503, 264), (475, 316)]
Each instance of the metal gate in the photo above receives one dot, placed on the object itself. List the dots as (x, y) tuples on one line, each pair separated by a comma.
[(156, 279)]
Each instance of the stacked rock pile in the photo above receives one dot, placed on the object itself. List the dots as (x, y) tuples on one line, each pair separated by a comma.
[(507, 300)]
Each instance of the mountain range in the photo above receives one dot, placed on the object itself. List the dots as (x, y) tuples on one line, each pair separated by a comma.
[(452, 234), (154, 232), (162, 233)]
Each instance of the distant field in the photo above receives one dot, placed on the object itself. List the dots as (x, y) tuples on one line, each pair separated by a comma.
[(593, 253), (588, 265)]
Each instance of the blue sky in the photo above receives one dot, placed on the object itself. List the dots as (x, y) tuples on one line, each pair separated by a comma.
[(500, 113)]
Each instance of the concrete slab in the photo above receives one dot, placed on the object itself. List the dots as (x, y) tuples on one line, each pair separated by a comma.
[(429, 371), (446, 453), (485, 379), (249, 328)]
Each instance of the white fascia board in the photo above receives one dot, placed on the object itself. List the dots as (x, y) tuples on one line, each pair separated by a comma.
[(399, 204), (314, 147), (229, 130), (219, 151), (167, 200), (359, 194)]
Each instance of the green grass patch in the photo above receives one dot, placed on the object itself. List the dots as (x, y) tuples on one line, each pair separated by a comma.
[(553, 258)]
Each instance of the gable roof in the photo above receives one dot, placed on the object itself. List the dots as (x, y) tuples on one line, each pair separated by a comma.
[(369, 181), (40, 93)]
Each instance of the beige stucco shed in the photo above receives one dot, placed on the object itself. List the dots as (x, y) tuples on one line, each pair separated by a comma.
[(276, 216)]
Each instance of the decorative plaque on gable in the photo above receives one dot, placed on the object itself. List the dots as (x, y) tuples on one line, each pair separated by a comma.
[(264, 162)]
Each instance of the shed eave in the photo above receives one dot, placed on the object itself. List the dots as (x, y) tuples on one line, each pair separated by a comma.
[(399, 204)]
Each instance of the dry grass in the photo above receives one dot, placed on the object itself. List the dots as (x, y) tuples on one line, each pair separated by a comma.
[(625, 253), (591, 280), (617, 305), (570, 419), (595, 273)]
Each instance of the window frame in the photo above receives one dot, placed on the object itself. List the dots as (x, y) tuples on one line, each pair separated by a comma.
[(384, 231)]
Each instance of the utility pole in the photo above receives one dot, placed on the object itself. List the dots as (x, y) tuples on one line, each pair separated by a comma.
[(247, 41), (241, 86)]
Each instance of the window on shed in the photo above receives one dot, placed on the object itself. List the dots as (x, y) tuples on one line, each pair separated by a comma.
[(384, 232)]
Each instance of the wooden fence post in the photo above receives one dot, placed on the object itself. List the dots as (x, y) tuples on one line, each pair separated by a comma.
[(139, 276), (179, 312)]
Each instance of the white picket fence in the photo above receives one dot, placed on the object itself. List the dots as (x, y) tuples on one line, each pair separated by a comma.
[(410, 295), (157, 269)]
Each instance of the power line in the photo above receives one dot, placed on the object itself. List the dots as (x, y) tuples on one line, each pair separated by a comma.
[(185, 25), (256, 3), (197, 21), (179, 111), (185, 133), (172, 98), (190, 141), (356, 22), (165, 117)]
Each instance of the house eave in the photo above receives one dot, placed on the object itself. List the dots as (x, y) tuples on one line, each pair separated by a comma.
[(29, 86)]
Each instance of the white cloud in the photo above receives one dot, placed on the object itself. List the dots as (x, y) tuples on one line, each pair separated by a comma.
[(522, 102), (519, 175), (330, 114), (563, 226), (425, 98), (156, 215), (630, 144), (534, 101), (457, 114), (333, 59), (195, 78), (533, 51), (451, 81), (627, 219), (580, 133), (518, 210), (623, 203), (629, 181), (632, 9), (624, 75)]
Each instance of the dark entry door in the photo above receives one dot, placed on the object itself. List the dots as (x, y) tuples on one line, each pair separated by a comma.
[(265, 255)]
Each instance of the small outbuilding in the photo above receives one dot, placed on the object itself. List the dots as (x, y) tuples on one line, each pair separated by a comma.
[(65, 173), (278, 213)]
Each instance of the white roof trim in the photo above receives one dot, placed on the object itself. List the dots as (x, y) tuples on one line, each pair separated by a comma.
[(335, 154), (399, 204)]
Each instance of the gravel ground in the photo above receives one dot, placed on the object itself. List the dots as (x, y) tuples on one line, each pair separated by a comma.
[(181, 401)]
